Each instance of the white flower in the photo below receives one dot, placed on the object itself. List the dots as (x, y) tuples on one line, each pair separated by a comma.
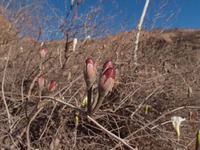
[(176, 122)]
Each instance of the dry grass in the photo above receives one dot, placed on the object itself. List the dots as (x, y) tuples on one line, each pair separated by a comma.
[(166, 79)]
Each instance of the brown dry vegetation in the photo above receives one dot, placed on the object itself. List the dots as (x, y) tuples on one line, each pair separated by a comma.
[(166, 79), (7, 33)]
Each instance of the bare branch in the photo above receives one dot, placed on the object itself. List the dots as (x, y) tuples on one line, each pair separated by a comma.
[(138, 32), (3, 82), (110, 134)]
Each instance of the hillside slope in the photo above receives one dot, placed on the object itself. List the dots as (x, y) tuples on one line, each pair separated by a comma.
[(166, 79)]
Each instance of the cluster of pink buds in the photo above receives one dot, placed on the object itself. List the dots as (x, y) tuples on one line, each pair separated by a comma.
[(51, 87), (105, 83)]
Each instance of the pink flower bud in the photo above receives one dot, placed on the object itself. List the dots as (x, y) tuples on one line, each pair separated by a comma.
[(52, 85), (43, 52), (41, 82), (90, 72), (106, 81), (107, 64)]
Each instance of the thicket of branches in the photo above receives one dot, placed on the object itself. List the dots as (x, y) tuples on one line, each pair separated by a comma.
[(137, 110), (24, 23)]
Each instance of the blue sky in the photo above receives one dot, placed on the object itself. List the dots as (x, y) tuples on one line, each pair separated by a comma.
[(186, 13), (120, 15), (189, 14), (126, 13)]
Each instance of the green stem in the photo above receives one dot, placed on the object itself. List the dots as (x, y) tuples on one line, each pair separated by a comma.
[(94, 103), (89, 97), (97, 103), (198, 140)]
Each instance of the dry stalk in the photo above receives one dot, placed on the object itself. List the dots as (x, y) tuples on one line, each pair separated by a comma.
[(48, 121), (28, 127), (29, 93), (66, 88), (127, 98), (60, 56), (144, 101), (110, 134), (6, 147), (31, 88), (155, 126), (3, 95), (32, 118), (64, 103), (91, 119), (150, 123), (75, 138), (15, 143)]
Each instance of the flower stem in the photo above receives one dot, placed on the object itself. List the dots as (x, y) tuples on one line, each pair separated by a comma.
[(89, 97)]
